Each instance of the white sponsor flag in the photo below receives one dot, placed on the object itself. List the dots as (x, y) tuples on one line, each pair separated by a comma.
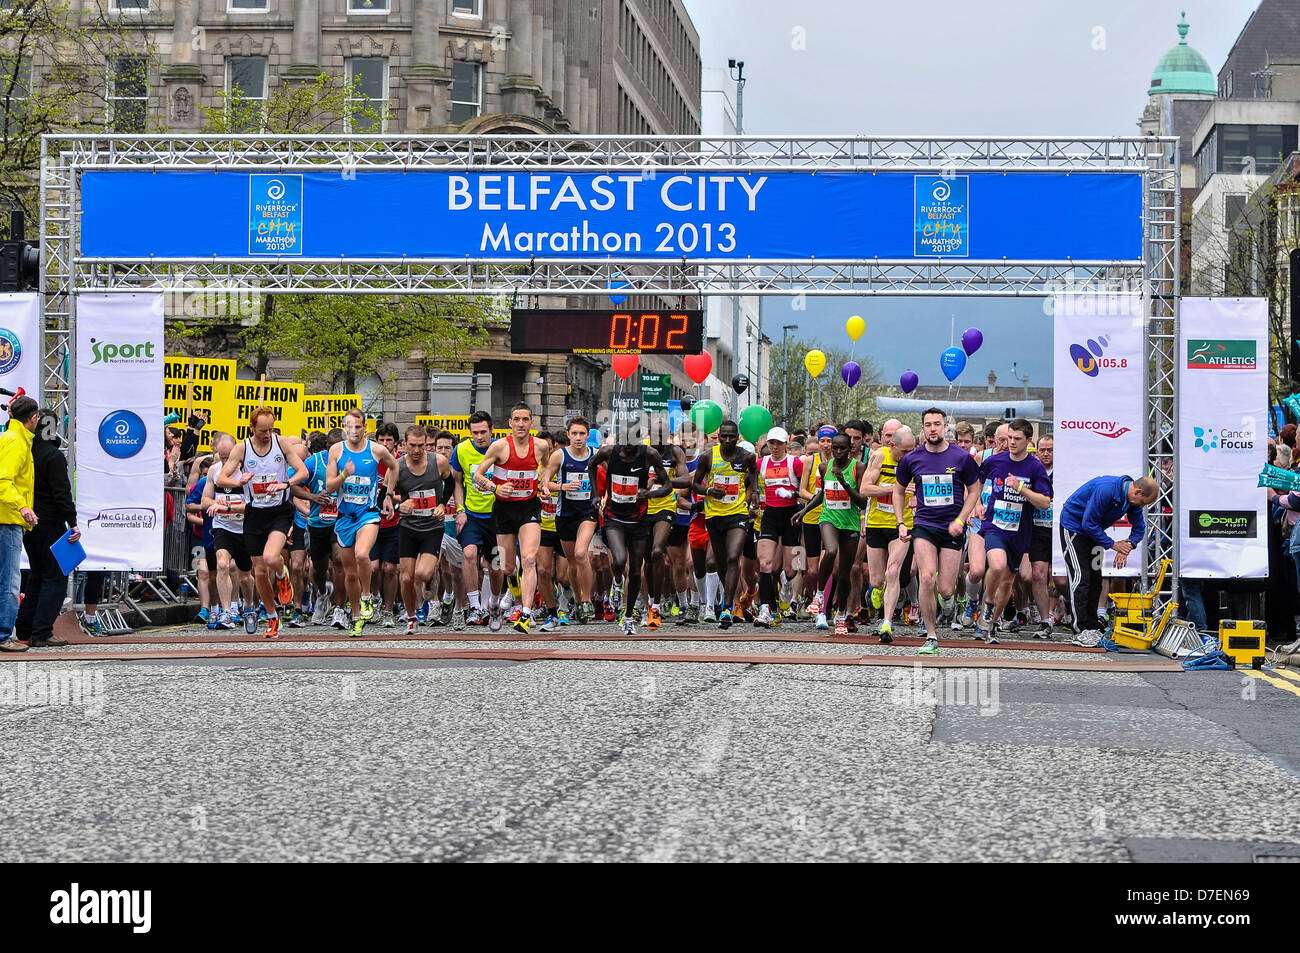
[(119, 388), (20, 347), (1098, 404), (1222, 437)]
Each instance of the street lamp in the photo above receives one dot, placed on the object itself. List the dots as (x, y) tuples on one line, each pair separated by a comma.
[(1020, 380), (785, 372), (736, 70)]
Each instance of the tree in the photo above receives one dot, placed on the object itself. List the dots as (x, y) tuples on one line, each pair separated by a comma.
[(827, 397), (58, 62)]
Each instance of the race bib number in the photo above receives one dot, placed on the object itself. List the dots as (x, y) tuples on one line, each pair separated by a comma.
[(1007, 515), (936, 489), (623, 488), (230, 519), (520, 484), (885, 503), (261, 493), (356, 491), (837, 498), (328, 513), (583, 492), (549, 507), (730, 487), (423, 499), (1043, 517)]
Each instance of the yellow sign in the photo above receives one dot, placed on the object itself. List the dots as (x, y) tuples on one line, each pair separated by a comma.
[(196, 385), (457, 424), (325, 412), (284, 399)]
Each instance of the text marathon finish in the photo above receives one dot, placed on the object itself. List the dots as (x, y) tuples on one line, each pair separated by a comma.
[(669, 214)]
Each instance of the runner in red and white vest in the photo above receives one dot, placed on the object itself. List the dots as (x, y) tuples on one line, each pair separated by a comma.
[(517, 510)]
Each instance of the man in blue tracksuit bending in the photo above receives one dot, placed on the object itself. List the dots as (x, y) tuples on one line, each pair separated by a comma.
[(1088, 513)]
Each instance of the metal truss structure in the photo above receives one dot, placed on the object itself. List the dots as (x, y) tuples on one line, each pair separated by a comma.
[(1155, 277)]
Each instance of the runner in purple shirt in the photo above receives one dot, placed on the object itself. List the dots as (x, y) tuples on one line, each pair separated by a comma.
[(947, 489), (1018, 484)]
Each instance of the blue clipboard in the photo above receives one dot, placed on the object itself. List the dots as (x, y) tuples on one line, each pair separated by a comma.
[(69, 555)]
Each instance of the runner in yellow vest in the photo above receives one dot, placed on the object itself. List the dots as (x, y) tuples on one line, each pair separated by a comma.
[(889, 558)]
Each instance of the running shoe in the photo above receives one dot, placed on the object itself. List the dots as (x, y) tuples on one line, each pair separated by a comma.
[(412, 625), (422, 613), (1009, 625), (724, 619), (341, 618), (877, 598), (821, 621), (214, 621), (284, 590), (764, 618), (458, 620), (297, 620), (358, 625), (561, 617), (850, 624), (250, 621), (1088, 639), (550, 623), (628, 625), (475, 616), (1034, 616), (653, 618), (692, 613), (226, 621), (495, 617), (367, 608), (1043, 631), (706, 615), (272, 629), (841, 624), (885, 632), (448, 611), (319, 616), (930, 646), (675, 611), (986, 617), (93, 627), (815, 607), (609, 611), (203, 615), (520, 620)]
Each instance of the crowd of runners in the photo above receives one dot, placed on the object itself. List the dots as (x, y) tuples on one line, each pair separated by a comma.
[(844, 525)]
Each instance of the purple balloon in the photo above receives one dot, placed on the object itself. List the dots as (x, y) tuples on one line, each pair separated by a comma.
[(851, 373), (971, 339), (908, 381)]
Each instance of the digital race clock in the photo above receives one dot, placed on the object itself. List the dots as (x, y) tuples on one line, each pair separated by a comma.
[(631, 331)]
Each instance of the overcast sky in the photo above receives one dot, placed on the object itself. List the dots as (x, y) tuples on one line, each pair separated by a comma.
[(949, 67)]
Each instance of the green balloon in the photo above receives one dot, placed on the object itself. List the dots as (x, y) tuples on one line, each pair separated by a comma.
[(706, 415), (754, 422)]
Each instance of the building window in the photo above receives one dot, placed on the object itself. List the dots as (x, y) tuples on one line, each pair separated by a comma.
[(130, 98), (1234, 206), (467, 8), (141, 5), (248, 75), (15, 85), (247, 6), (367, 6), (466, 91), (368, 82), (1227, 86)]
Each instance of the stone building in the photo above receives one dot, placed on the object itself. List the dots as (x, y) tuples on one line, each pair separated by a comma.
[(429, 66)]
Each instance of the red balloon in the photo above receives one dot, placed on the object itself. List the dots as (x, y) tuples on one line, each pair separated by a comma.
[(625, 364), (698, 366)]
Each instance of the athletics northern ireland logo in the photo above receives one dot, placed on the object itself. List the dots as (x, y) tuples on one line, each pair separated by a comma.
[(1222, 355)]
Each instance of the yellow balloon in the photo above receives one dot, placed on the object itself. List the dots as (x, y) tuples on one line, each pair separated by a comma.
[(815, 361), (855, 326)]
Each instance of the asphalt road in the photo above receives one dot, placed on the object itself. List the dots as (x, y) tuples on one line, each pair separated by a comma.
[(325, 758)]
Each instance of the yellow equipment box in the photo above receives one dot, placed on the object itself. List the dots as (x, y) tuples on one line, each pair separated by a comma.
[(1243, 642)]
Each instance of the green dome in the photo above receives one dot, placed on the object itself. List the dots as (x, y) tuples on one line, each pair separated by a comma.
[(1183, 70)]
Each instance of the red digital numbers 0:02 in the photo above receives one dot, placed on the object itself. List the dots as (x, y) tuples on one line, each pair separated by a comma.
[(644, 330)]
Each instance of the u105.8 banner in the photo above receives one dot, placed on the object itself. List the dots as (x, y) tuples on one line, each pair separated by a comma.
[(1222, 442), (120, 500), (1099, 404), (665, 214)]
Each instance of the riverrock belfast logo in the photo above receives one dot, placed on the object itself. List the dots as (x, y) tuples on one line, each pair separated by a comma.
[(1224, 355), (122, 434), (11, 351)]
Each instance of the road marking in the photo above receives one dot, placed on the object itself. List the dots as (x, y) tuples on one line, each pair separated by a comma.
[(1287, 673), (1279, 682)]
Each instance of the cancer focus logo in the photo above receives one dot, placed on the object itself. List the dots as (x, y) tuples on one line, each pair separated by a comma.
[(1205, 439), (122, 434), (1088, 359), (11, 351)]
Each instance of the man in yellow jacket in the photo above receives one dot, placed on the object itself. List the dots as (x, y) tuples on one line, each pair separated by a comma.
[(17, 479)]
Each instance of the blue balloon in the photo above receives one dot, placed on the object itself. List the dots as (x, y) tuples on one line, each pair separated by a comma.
[(952, 362), (615, 283)]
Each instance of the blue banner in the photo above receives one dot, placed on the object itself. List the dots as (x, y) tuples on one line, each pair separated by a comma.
[(553, 215), (675, 416)]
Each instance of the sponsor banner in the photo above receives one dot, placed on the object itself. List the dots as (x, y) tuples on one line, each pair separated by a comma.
[(20, 346), (655, 389), (1098, 393), (119, 413), (674, 214), (196, 385), (1223, 423)]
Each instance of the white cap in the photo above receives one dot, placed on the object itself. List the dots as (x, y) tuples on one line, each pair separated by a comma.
[(778, 433), (746, 445)]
